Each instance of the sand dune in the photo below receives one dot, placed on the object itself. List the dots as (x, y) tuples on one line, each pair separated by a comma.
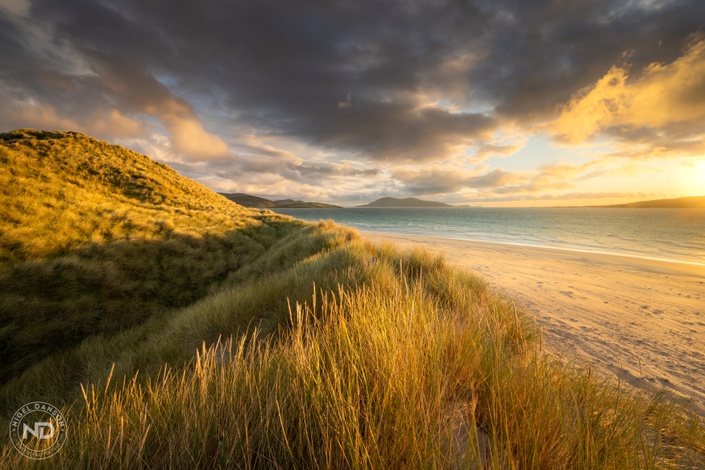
[(641, 320)]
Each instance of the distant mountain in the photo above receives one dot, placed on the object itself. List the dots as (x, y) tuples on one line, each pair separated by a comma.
[(305, 205), (247, 200), (679, 203), (406, 202)]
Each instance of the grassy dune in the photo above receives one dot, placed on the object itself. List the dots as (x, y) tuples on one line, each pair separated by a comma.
[(177, 329), (95, 239)]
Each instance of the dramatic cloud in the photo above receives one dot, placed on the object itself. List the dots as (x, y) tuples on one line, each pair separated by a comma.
[(495, 182), (664, 96), (345, 100)]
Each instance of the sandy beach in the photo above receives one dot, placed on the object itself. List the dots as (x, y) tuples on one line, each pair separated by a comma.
[(641, 320)]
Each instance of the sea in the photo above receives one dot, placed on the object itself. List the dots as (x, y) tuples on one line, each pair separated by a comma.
[(676, 235)]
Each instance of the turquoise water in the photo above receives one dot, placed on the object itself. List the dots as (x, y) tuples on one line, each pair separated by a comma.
[(667, 234)]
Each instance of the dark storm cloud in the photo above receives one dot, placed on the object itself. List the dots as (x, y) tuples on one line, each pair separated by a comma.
[(382, 81), (540, 53)]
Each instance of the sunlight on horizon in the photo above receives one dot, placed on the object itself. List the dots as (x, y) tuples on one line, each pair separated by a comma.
[(700, 172)]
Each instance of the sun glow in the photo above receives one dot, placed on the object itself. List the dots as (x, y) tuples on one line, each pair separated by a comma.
[(700, 172)]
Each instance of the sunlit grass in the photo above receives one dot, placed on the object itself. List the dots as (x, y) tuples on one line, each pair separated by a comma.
[(95, 239), (207, 335), (411, 365)]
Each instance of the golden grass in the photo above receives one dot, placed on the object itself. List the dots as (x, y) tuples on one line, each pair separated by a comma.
[(95, 239), (310, 348)]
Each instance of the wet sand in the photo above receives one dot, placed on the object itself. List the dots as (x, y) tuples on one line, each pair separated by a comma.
[(641, 320)]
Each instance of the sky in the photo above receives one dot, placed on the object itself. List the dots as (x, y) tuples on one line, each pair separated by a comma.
[(477, 102)]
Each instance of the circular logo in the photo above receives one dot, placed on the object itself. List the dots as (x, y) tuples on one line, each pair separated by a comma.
[(38, 430)]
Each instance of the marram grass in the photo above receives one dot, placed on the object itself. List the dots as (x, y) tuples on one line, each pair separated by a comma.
[(248, 340), (96, 239), (417, 366)]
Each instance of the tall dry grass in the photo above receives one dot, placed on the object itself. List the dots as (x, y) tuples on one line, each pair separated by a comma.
[(96, 239), (240, 339), (411, 364)]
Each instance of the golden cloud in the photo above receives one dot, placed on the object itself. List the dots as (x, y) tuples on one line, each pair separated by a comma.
[(664, 95), (188, 137), (117, 124), (31, 113)]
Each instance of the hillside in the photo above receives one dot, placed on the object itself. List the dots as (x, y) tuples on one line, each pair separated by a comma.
[(410, 202), (176, 329), (95, 238), (62, 189), (695, 202), (248, 200)]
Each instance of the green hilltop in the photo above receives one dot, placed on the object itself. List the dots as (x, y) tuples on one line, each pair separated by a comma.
[(177, 329)]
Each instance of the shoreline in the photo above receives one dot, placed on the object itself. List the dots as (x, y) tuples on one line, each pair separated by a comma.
[(671, 238), (543, 247), (638, 319)]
